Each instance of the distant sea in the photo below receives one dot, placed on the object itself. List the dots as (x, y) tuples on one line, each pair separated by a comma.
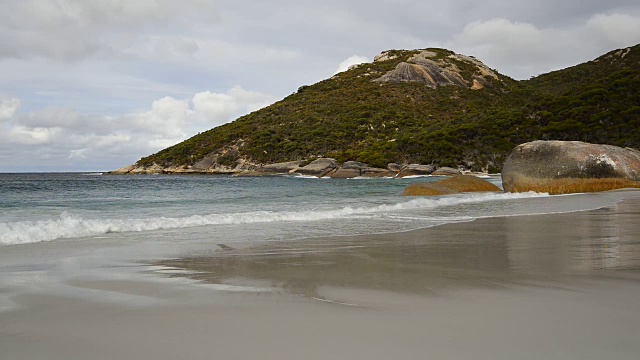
[(90, 207)]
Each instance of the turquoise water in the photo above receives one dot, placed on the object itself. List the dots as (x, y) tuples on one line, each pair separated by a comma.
[(77, 207)]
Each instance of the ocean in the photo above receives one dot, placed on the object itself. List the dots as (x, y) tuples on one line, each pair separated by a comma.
[(98, 266), (77, 207)]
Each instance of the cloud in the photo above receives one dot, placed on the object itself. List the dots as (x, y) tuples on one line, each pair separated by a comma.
[(8, 107), (67, 135), (220, 108), (119, 79), (74, 29), (23, 135), (522, 49), (352, 60), (167, 117), (616, 29)]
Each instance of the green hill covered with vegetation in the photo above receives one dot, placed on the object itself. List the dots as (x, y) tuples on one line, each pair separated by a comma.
[(428, 106)]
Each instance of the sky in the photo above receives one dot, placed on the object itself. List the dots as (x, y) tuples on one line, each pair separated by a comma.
[(94, 85)]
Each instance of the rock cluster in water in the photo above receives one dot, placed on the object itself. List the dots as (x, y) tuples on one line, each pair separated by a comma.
[(321, 167)]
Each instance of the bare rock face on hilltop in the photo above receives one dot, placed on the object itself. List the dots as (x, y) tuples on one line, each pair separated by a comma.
[(435, 70), (563, 167)]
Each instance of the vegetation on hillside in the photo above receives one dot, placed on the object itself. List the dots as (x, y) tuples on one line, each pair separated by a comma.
[(351, 117)]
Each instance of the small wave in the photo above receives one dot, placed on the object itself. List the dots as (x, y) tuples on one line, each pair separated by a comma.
[(93, 174), (300, 176), (73, 226), (415, 176)]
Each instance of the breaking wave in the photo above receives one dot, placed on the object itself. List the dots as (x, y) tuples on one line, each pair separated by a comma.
[(73, 226)]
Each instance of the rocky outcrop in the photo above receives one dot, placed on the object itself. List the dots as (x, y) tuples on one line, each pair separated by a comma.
[(323, 167), (562, 167), (446, 171), (415, 169), (280, 168), (434, 70), (353, 169), (430, 74), (122, 171), (343, 173), (319, 167), (394, 167), (452, 185), (384, 56), (157, 169), (372, 172)]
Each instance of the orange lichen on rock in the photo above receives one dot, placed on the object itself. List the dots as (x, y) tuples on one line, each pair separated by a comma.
[(575, 185), (452, 185)]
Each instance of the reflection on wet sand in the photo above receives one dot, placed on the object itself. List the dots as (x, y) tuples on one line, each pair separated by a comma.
[(494, 253)]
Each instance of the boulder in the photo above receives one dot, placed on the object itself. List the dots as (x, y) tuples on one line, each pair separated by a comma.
[(253, 173), (342, 173), (280, 168), (319, 167), (153, 169), (354, 165), (394, 167), (446, 171), (415, 169), (123, 170), (563, 167), (452, 185), (205, 163), (371, 172), (352, 169)]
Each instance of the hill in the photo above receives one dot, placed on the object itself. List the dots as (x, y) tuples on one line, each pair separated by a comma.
[(428, 106)]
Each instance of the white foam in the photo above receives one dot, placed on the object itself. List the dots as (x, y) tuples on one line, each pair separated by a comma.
[(417, 176), (73, 226)]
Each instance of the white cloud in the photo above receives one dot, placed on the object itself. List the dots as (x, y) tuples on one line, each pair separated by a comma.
[(78, 154), (616, 29), (120, 79), (23, 135), (521, 49), (72, 136), (220, 108), (8, 107), (166, 117), (74, 29), (352, 60)]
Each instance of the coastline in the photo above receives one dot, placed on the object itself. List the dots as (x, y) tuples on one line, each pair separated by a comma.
[(527, 287)]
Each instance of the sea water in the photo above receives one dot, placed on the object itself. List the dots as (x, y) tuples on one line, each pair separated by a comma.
[(183, 210), (57, 230)]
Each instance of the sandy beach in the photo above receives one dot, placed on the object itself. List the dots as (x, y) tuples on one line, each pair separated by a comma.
[(560, 286)]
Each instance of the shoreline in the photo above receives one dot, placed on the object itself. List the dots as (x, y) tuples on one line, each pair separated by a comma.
[(497, 233)]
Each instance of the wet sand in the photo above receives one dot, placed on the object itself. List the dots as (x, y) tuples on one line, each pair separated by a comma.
[(563, 286)]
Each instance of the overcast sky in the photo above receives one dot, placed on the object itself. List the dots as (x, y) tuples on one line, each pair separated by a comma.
[(96, 84)]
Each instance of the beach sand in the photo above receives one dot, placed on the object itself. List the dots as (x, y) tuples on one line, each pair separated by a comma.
[(561, 286)]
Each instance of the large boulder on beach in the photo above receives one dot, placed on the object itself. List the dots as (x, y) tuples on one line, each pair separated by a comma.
[(452, 185), (563, 167)]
